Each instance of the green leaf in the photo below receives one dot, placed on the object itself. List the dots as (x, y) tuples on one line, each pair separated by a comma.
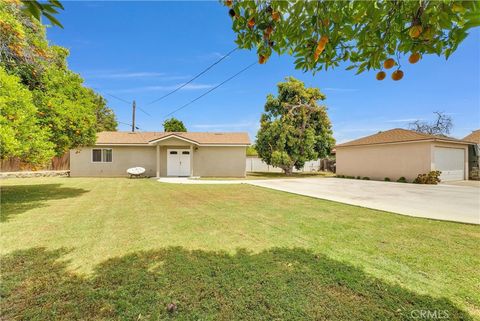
[(53, 20)]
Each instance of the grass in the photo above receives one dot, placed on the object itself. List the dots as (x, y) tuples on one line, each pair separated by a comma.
[(270, 175), (120, 249)]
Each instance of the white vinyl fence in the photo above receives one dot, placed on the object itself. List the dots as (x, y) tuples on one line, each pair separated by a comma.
[(255, 164)]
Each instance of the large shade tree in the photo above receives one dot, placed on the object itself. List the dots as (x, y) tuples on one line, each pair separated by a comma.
[(294, 129), (21, 134), (363, 34), (69, 113)]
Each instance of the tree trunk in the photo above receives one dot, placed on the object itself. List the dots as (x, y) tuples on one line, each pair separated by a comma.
[(288, 170)]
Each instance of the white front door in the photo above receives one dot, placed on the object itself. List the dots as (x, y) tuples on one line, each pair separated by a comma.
[(451, 162), (178, 162)]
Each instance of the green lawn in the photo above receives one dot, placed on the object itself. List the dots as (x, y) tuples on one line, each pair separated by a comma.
[(120, 249)]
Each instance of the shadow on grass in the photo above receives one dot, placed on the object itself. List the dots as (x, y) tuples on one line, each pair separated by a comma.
[(18, 199), (286, 284)]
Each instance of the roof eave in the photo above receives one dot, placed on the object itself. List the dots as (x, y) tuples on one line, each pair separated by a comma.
[(157, 140), (409, 141)]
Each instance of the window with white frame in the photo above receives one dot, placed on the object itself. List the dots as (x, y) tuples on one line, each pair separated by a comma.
[(102, 155)]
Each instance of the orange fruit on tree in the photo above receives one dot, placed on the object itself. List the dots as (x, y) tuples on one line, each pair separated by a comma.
[(320, 48), (229, 3), (268, 31), (389, 63), (324, 39), (251, 22), (321, 44), (397, 75), (414, 58), (262, 59), (276, 15), (415, 31), (381, 75)]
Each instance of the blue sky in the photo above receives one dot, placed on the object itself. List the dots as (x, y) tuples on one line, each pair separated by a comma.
[(142, 50)]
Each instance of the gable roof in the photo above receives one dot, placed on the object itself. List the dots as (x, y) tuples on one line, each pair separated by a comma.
[(473, 137), (199, 138), (398, 135)]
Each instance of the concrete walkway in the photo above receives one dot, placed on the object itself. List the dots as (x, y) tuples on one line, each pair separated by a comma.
[(441, 202), (186, 180)]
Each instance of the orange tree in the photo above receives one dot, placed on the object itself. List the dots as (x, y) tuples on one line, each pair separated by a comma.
[(47, 106), (365, 34)]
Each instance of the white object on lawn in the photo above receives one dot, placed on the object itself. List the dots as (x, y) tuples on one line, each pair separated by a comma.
[(136, 171)]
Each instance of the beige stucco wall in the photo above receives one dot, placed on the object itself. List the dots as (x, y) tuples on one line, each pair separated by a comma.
[(123, 157), (389, 160), (220, 161), (207, 160)]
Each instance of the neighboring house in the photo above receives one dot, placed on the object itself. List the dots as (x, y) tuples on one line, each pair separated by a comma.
[(405, 153), (163, 154), (474, 155)]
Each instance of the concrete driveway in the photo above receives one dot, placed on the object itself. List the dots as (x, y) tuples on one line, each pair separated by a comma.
[(441, 202)]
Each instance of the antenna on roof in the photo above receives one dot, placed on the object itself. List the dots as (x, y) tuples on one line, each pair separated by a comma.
[(133, 116)]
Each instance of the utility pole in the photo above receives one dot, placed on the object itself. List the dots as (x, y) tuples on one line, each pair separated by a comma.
[(133, 116)]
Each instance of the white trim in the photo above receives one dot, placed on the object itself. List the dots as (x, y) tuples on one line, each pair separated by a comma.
[(158, 161), (101, 155), (191, 160), (174, 136)]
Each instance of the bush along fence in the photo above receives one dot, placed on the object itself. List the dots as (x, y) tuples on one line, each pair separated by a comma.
[(255, 164)]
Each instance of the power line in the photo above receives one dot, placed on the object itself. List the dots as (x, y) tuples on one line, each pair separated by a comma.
[(125, 101), (198, 75), (116, 97), (209, 91), (128, 124)]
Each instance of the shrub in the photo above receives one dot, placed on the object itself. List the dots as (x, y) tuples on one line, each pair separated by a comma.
[(386, 179), (366, 178), (358, 177), (350, 177), (402, 180), (432, 177), (340, 176)]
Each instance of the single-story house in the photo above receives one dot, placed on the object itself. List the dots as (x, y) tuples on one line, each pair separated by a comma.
[(474, 155), (405, 153), (163, 154)]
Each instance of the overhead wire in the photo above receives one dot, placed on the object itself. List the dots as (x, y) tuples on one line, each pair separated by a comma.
[(183, 85), (192, 79), (209, 91), (125, 101)]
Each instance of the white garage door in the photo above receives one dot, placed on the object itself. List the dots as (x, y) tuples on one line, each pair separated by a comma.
[(451, 161)]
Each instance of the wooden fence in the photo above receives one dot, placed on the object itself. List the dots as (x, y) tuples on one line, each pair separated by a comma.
[(15, 165)]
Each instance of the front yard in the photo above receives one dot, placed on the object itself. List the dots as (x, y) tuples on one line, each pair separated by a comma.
[(102, 249)]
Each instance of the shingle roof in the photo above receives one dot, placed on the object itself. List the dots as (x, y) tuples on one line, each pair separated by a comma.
[(398, 135), (197, 137), (473, 137)]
